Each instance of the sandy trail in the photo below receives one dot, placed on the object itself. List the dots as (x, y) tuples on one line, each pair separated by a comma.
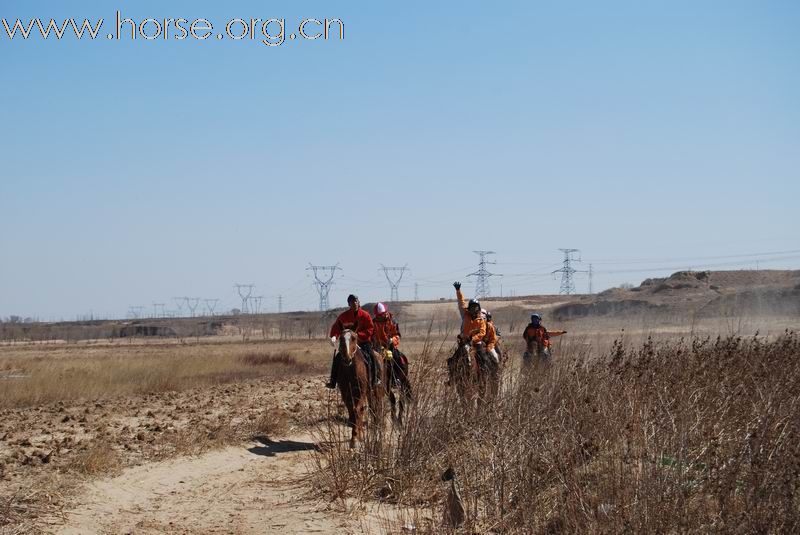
[(256, 488)]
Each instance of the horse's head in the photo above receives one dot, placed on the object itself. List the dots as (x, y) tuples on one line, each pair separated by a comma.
[(348, 345)]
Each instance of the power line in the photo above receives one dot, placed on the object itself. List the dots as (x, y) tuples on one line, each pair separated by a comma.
[(698, 265), (692, 259)]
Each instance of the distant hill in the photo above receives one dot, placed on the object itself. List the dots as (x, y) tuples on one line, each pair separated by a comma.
[(698, 293)]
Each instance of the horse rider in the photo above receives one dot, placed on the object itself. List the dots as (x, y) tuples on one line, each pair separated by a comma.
[(387, 334), (490, 340), (359, 321), (536, 333), (387, 331), (473, 326)]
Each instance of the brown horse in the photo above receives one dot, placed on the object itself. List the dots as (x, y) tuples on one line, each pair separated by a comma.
[(536, 354), (475, 376), (352, 376), (396, 365), (465, 372)]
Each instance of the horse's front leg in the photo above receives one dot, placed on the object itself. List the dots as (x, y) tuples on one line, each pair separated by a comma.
[(392, 404), (352, 420)]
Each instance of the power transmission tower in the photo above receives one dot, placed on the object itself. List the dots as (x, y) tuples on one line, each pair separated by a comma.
[(416, 291), (280, 304), (567, 271), (191, 303), (211, 304), (155, 310), (179, 303), (393, 284), (590, 279), (482, 289), (323, 279), (244, 291), (135, 312), (256, 299)]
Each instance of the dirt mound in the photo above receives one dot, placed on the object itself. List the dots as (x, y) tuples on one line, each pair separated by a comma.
[(626, 307)]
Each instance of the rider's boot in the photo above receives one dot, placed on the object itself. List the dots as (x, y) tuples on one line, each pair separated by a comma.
[(332, 382)]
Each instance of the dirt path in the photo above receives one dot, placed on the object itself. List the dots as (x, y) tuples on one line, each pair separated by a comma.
[(250, 489)]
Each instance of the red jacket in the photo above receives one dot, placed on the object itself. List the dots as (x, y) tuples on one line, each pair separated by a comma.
[(386, 329), (360, 322)]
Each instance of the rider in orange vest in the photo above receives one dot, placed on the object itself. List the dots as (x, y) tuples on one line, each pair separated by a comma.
[(359, 321), (536, 333), (473, 326)]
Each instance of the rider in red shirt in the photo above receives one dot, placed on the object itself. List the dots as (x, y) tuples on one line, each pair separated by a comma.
[(359, 321)]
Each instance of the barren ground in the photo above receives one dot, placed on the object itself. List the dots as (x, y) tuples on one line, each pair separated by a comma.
[(188, 436)]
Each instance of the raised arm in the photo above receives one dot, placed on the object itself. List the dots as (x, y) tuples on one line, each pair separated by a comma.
[(462, 305)]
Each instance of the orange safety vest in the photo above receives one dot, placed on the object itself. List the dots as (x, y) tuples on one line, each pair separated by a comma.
[(473, 328), (491, 336)]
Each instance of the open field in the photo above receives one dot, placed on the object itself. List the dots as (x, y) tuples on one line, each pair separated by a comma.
[(644, 422)]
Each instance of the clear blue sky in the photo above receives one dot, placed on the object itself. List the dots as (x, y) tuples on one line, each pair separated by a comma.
[(650, 135)]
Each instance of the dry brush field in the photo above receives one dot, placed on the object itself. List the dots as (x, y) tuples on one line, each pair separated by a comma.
[(639, 429)]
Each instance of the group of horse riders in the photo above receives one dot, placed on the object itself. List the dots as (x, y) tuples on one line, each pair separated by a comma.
[(477, 330), (379, 332)]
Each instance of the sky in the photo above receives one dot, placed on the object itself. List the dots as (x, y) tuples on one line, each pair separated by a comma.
[(652, 136)]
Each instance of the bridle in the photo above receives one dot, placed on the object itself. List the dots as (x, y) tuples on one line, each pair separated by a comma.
[(347, 346)]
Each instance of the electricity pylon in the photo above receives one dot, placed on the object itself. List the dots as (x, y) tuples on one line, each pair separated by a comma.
[(393, 284), (482, 289), (567, 271), (244, 291), (323, 279)]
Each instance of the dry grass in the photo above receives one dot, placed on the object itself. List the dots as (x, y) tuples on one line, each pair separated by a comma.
[(29, 510), (686, 436), (97, 458), (79, 374), (271, 422)]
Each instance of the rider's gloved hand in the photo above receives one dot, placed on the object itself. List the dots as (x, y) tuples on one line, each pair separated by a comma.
[(333, 341), (457, 285)]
